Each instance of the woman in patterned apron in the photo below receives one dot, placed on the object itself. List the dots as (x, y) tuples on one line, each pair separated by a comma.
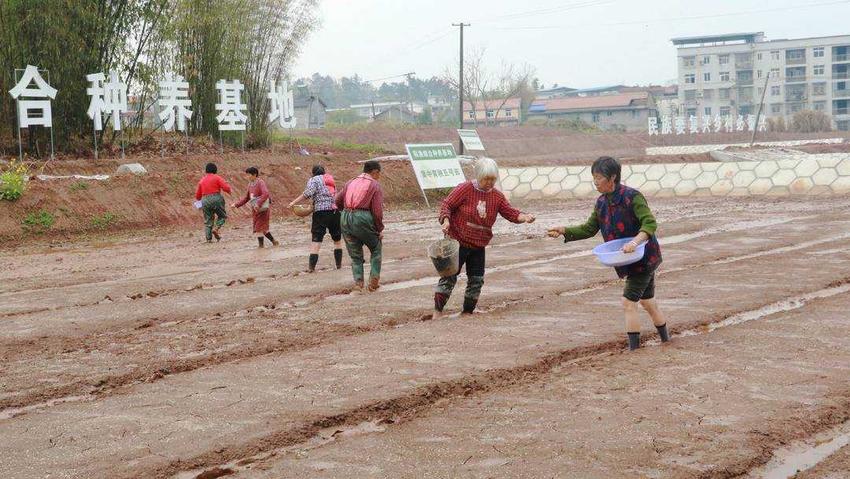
[(622, 212)]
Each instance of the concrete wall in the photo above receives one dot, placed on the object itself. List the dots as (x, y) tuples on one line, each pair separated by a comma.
[(698, 149), (810, 175)]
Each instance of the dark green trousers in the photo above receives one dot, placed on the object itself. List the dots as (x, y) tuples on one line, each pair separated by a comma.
[(358, 230), (214, 213)]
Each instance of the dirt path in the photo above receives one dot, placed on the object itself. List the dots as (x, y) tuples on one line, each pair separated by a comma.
[(197, 360)]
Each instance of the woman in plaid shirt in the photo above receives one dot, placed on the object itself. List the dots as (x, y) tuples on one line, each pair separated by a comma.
[(467, 215), (321, 188)]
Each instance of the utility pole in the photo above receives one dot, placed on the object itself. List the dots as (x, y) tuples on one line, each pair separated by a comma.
[(761, 105), (460, 82)]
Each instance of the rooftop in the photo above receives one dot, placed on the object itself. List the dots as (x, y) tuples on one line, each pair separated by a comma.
[(749, 37), (623, 100), (494, 104)]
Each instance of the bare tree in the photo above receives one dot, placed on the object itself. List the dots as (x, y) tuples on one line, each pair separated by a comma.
[(483, 87)]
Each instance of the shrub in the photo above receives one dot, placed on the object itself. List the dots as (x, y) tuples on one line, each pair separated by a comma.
[(808, 121), (104, 221), (38, 222), (13, 181), (776, 124)]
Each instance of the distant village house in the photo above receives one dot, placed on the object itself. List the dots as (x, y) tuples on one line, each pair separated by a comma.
[(492, 112)]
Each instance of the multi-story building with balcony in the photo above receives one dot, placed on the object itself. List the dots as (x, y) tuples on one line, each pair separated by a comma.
[(730, 74)]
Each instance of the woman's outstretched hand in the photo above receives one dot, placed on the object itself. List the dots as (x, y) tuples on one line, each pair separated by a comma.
[(527, 218), (555, 232)]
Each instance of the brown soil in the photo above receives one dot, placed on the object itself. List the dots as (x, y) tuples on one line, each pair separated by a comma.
[(150, 355), (164, 196), (530, 145)]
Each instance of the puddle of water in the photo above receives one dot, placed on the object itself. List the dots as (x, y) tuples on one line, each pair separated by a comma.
[(803, 455), (777, 307)]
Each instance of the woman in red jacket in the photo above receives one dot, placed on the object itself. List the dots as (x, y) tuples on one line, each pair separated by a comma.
[(212, 203), (467, 215), (260, 201)]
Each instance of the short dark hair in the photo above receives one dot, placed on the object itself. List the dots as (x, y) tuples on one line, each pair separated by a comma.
[(252, 170), (607, 167), (318, 170), (371, 166), (211, 168)]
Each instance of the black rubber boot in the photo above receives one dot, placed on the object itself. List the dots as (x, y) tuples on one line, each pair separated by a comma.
[(662, 332), (260, 241), (314, 260), (634, 341), (338, 258)]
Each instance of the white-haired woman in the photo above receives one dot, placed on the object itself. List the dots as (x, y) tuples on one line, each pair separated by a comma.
[(467, 215)]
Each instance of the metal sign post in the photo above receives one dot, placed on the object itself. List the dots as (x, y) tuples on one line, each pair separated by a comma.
[(435, 166)]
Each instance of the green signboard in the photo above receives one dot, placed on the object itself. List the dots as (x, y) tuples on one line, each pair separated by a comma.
[(471, 140), (435, 165)]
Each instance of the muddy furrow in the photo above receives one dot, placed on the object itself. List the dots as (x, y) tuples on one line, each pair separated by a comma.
[(311, 334), (273, 339), (419, 402), (395, 252), (267, 395), (672, 423)]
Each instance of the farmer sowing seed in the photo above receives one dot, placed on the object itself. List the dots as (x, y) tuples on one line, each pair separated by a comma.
[(209, 193), (362, 202), (260, 200), (622, 212), (321, 188), (467, 215)]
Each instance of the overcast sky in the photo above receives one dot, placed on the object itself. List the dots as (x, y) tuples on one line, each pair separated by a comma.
[(577, 43)]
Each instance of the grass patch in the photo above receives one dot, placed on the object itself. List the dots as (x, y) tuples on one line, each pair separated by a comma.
[(310, 142), (104, 221), (38, 222), (79, 186)]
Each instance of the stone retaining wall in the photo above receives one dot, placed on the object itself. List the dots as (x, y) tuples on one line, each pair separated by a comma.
[(699, 149), (808, 175)]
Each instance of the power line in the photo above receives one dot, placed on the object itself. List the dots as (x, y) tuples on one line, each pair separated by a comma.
[(409, 74), (423, 41), (675, 19), (547, 11)]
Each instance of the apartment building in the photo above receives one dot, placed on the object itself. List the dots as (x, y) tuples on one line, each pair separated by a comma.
[(728, 74)]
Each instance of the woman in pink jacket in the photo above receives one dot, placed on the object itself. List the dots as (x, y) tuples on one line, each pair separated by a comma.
[(258, 197)]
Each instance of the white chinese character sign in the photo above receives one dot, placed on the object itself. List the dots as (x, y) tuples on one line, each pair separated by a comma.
[(33, 102), (175, 102), (283, 105), (231, 110), (106, 98), (653, 126), (706, 124)]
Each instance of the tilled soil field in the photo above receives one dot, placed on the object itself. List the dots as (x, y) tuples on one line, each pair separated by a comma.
[(157, 355)]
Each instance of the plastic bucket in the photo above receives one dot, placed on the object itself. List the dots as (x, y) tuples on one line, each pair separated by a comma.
[(611, 253), (445, 254)]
